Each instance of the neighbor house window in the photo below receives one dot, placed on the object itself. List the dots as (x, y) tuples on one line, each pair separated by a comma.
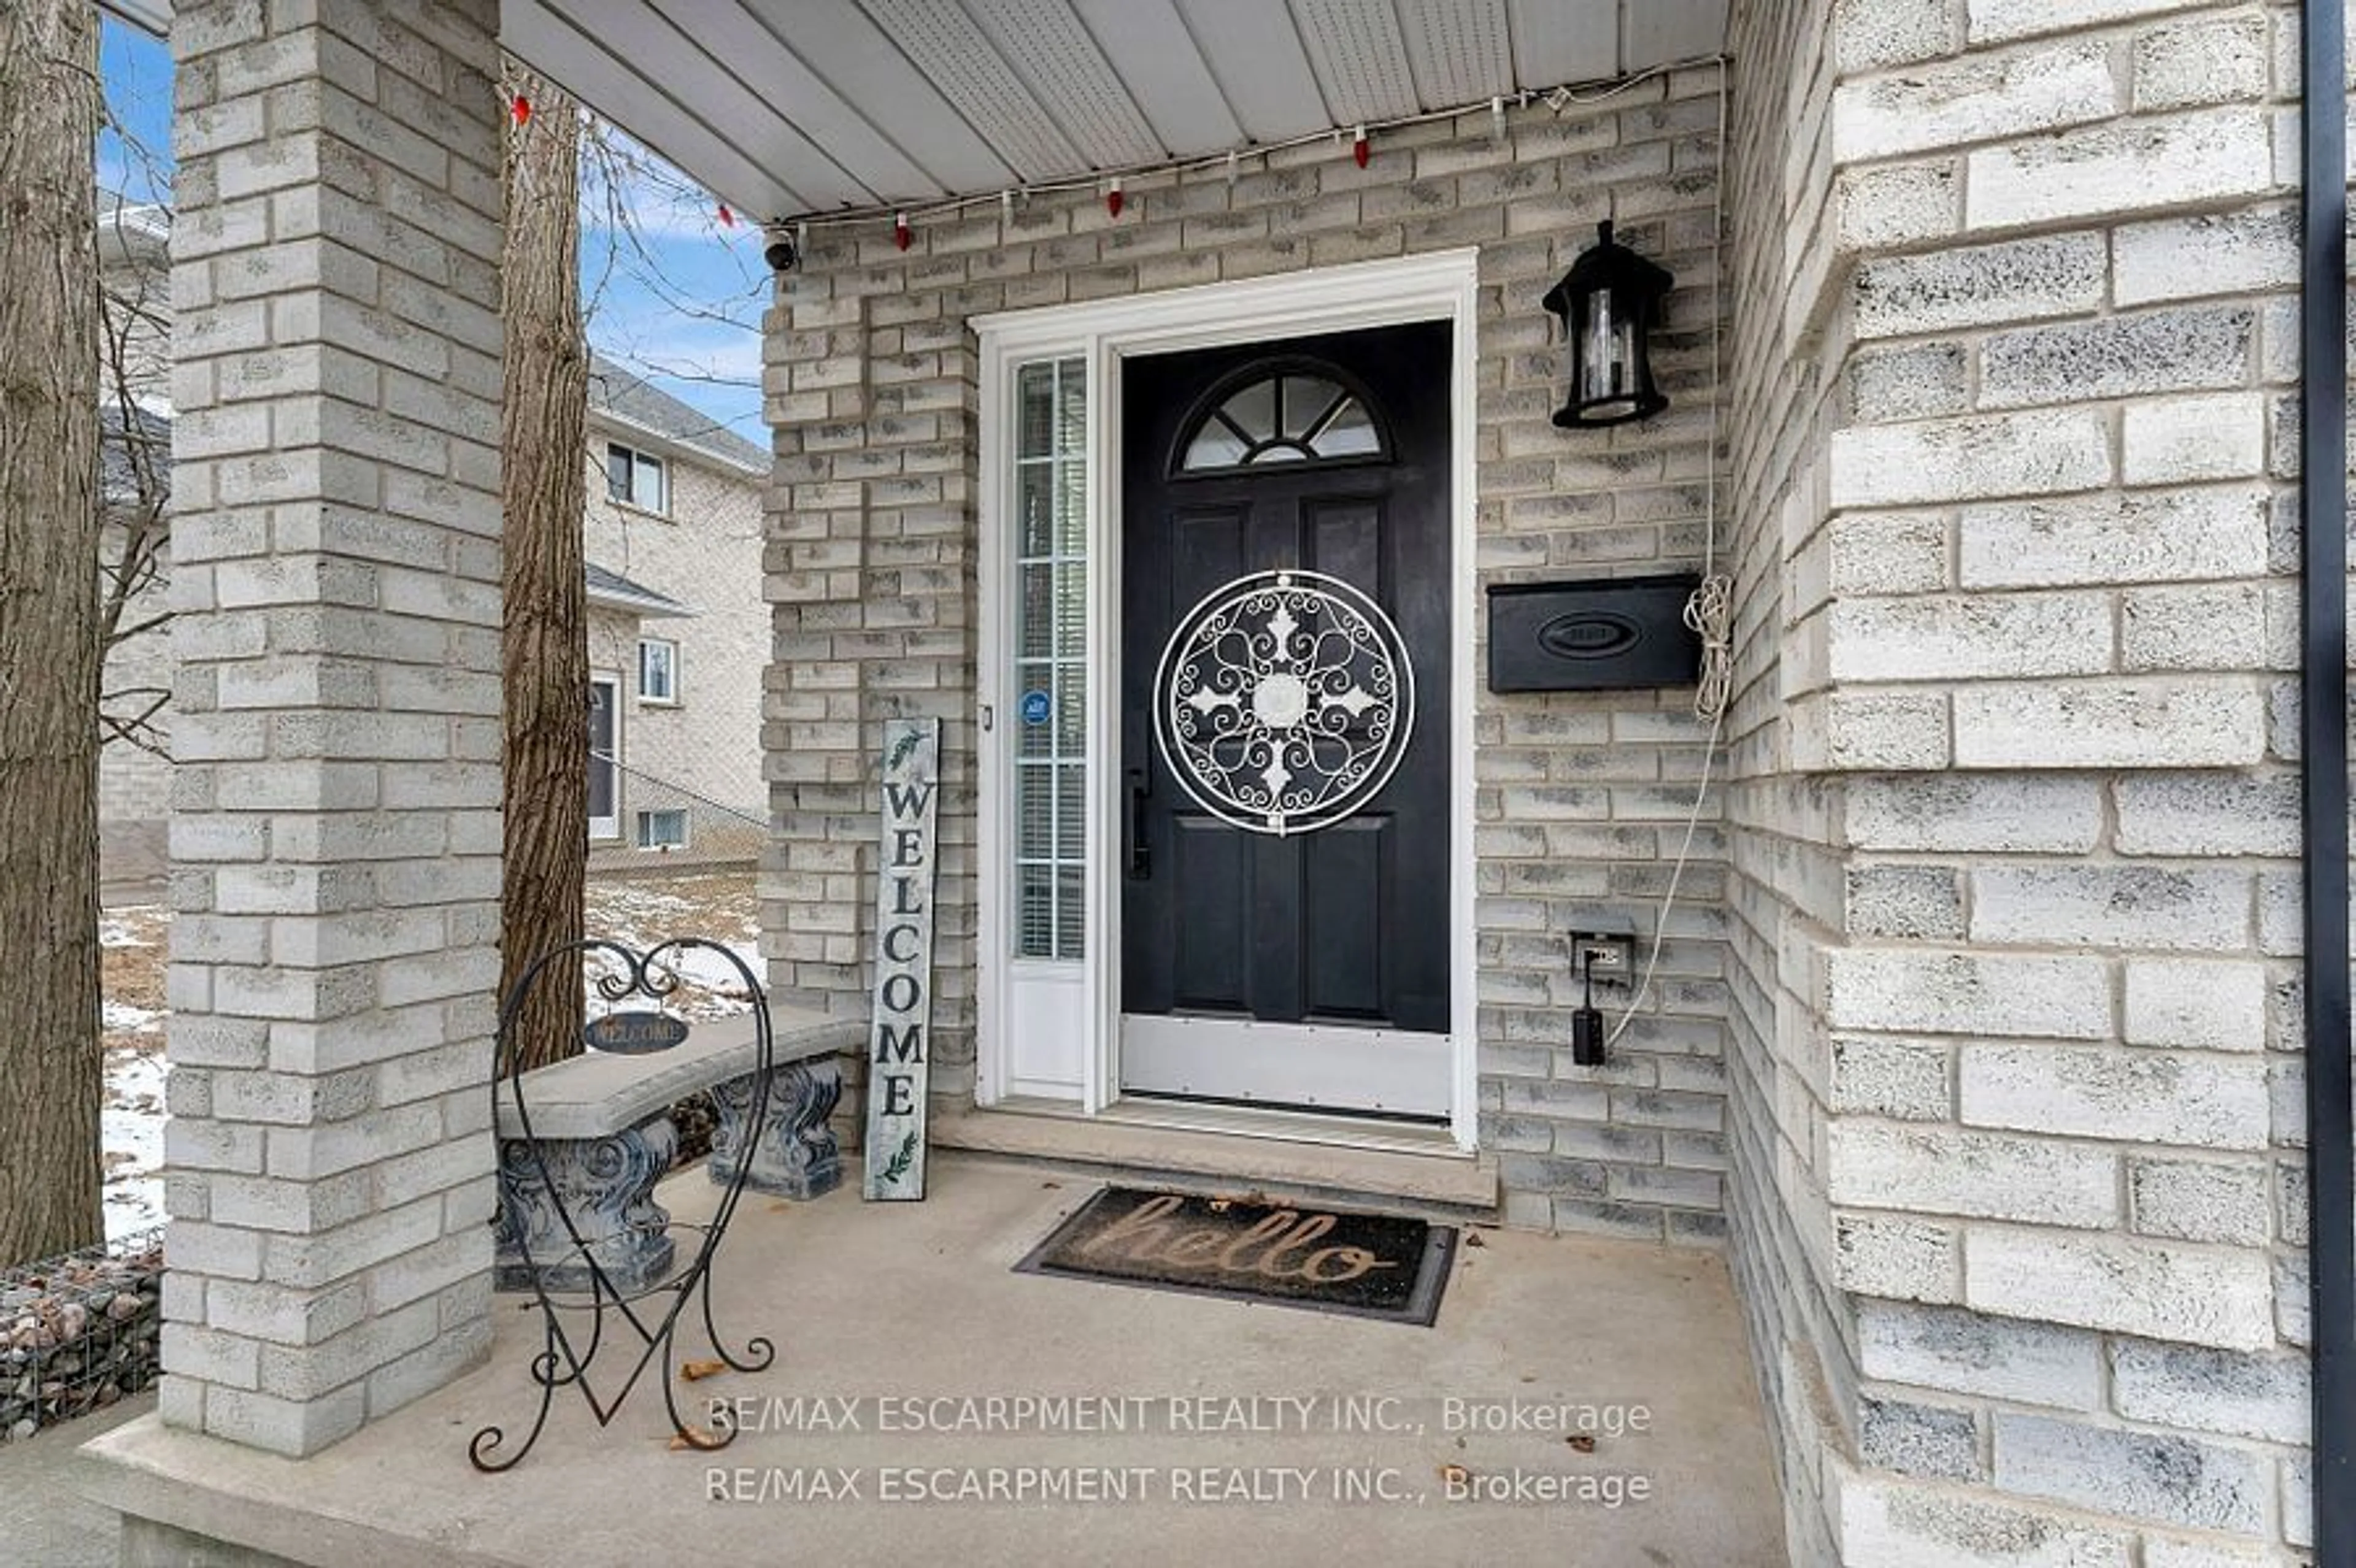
[(658, 670), (662, 830), (1050, 574), (637, 479)]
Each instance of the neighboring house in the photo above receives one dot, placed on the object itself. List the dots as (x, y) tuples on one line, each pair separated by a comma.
[(1993, 1011), (678, 632), (135, 435), (679, 635)]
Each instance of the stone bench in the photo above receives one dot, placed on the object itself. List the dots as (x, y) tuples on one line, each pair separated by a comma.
[(603, 1123)]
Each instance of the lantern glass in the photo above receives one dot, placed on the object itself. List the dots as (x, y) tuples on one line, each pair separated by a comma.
[(1608, 368)]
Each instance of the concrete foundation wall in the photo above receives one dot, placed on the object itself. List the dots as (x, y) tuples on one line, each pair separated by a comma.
[(1582, 797)]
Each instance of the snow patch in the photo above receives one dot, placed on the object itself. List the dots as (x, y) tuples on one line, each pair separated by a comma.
[(131, 1133), (122, 1018), (709, 986)]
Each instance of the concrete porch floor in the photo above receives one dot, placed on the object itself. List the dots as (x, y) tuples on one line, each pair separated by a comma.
[(873, 1301)]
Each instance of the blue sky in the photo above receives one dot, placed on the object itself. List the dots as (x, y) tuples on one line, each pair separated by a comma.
[(671, 292)]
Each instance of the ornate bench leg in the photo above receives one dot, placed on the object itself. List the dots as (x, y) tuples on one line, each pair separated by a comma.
[(794, 1150), (607, 1185)]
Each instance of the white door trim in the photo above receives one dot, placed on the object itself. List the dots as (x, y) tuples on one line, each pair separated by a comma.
[(1442, 285)]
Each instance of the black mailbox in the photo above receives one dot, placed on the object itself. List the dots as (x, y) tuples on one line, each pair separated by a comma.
[(1602, 634)]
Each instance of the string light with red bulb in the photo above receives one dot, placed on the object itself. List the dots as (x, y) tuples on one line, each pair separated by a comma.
[(522, 109), (1358, 136)]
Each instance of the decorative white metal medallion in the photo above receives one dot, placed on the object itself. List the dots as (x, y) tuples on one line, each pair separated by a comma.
[(1284, 701)]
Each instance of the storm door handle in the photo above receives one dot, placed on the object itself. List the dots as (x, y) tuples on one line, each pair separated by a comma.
[(1140, 856)]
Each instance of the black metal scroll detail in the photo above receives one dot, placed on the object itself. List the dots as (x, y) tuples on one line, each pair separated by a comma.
[(652, 1313)]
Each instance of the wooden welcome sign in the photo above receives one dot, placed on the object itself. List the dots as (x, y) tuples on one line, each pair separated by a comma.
[(898, 1059)]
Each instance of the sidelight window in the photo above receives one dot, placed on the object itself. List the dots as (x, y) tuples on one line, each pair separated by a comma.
[(1050, 716)]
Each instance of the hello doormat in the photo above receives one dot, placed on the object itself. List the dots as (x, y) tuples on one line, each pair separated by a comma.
[(1294, 1254)]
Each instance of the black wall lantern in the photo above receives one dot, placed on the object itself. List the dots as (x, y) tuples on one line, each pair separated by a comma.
[(1609, 302)]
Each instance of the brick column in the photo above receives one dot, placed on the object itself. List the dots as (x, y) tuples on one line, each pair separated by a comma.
[(2026, 269), (335, 835)]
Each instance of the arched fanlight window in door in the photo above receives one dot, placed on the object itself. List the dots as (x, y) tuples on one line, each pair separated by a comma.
[(1277, 412)]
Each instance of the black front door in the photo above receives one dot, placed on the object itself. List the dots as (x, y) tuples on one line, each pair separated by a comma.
[(1285, 691)]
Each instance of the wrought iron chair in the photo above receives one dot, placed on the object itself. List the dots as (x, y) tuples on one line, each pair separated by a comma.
[(571, 1270)]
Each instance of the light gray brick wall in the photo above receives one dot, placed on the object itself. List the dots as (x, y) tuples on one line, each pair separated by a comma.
[(1786, 880), (2013, 837), (869, 564), (1581, 799), (336, 841)]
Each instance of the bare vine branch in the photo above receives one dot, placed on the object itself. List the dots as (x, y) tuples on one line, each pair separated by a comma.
[(134, 318)]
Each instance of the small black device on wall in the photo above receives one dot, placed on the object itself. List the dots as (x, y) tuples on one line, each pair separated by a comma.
[(1601, 635)]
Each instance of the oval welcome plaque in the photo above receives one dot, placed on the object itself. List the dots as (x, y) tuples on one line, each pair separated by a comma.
[(637, 1033), (1588, 634)]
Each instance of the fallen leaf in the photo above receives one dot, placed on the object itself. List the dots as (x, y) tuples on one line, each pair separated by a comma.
[(1455, 1475), (1221, 1205), (1472, 1239), (1582, 1441), (696, 1372), (693, 1437), (1053, 1185)]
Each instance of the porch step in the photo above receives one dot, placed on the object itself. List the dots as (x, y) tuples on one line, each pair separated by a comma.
[(1235, 1148)]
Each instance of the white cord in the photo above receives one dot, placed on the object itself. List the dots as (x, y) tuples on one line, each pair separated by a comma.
[(1708, 614), (1669, 895), (1709, 611)]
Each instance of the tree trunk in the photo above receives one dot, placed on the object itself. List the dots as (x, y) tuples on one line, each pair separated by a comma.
[(51, 1064), (546, 651)]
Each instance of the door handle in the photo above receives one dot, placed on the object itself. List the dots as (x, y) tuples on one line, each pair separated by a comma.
[(1140, 854)]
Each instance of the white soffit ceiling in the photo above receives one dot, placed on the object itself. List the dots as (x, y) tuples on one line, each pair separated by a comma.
[(792, 107)]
